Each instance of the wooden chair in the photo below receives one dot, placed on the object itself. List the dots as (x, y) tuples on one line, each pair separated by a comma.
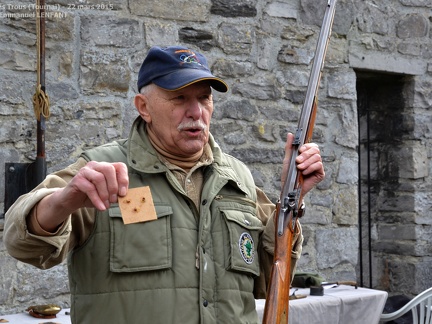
[(420, 306)]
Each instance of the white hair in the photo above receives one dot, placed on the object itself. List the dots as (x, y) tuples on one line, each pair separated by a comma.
[(147, 88)]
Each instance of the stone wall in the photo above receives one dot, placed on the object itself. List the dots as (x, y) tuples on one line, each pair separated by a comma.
[(263, 49)]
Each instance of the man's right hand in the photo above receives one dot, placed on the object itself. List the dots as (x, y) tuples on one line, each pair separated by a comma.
[(97, 184)]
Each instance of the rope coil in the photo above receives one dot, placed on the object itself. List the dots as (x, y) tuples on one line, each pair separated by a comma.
[(41, 103)]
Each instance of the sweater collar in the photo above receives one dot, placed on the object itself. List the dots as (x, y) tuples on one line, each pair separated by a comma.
[(143, 157)]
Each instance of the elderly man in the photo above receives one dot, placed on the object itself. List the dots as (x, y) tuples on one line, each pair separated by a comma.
[(205, 256)]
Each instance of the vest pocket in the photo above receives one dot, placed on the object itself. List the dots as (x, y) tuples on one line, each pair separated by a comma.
[(243, 233), (132, 246)]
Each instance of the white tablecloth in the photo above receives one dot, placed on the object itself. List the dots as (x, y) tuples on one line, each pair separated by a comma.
[(25, 318), (339, 305)]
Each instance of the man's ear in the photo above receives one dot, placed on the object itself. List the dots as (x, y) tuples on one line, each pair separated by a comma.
[(141, 104)]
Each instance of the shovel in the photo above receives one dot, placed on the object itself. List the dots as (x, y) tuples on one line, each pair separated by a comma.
[(21, 178)]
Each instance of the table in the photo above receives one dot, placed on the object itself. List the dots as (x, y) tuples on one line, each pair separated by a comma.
[(25, 318), (339, 305)]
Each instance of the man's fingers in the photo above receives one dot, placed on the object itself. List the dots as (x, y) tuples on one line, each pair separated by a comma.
[(103, 182), (94, 185), (311, 164), (122, 178), (308, 162), (309, 153)]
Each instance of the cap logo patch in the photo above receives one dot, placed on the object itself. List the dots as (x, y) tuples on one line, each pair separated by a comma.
[(246, 246), (188, 57)]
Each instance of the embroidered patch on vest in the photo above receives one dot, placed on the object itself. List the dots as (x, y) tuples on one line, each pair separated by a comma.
[(246, 245)]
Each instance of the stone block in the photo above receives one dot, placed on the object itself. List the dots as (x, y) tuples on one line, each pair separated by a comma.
[(348, 170), (406, 248), (392, 232), (372, 19), (423, 98), (7, 276), (342, 85), (295, 34), (60, 26), (286, 113), (109, 31), (160, 33), (360, 58), (296, 97), (335, 246), (61, 91), (416, 162), (267, 48), (18, 60), (266, 132), (256, 154), (200, 38), (258, 178), (346, 13), (282, 9), (395, 202), (228, 68), (317, 214), (239, 8), (422, 202), (312, 12), (230, 133), (192, 10), (412, 26), (37, 286), (104, 73), (409, 49), (237, 110), (236, 39), (100, 110), (65, 64), (423, 126), (327, 183), (347, 134), (294, 54), (262, 88), (417, 3), (295, 77), (346, 201)]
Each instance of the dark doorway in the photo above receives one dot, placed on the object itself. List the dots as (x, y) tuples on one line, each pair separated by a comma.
[(383, 124)]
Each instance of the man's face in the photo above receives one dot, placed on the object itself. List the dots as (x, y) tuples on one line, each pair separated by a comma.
[(180, 119)]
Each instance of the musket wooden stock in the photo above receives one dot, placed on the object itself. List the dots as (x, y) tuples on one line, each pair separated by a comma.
[(276, 309)]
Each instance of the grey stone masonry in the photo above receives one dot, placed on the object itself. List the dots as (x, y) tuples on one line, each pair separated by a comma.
[(264, 50)]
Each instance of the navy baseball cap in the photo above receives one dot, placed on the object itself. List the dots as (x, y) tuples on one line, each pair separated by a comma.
[(176, 67)]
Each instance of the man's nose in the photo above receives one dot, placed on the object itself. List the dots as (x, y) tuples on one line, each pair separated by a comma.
[(194, 109)]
